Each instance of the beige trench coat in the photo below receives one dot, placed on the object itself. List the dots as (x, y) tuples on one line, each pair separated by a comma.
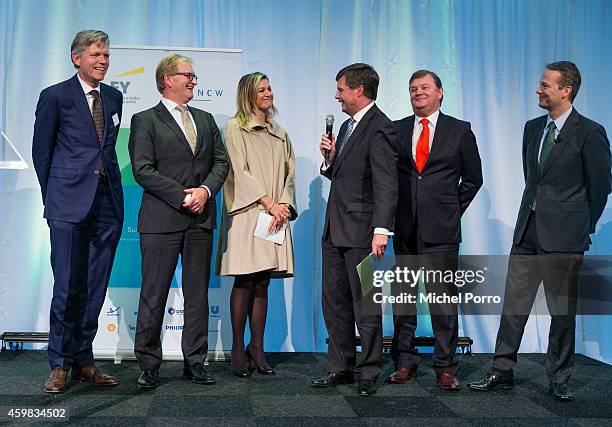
[(262, 163)]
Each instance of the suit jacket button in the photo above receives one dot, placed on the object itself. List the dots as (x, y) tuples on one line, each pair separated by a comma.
[(97, 172), (420, 177)]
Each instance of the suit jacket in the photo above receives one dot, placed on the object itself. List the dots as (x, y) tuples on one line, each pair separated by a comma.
[(363, 193), (164, 165), (571, 190), (444, 189), (66, 151)]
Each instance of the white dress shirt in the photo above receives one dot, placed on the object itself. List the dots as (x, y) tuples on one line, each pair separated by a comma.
[(87, 89), (176, 115)]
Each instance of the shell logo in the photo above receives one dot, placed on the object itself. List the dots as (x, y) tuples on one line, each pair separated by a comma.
[(111, 327)]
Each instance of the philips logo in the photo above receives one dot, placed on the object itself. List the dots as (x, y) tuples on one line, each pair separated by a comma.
[(174, 327)]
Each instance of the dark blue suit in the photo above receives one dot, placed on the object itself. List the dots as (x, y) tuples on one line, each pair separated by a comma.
[(84, 211)]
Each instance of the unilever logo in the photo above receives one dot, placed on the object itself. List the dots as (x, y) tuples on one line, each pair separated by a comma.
[(214, 311)]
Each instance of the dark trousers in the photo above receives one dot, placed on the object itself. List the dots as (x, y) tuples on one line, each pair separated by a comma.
[(342, 309), (414, 253), (529, 265), (160, 252), (82, 256)]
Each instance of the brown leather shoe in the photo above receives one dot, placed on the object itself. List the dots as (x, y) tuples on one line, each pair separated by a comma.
[(56, 383), (93, 375), (401, 376), (447, 381)]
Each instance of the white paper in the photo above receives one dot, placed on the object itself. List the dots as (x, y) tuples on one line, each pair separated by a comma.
[(261, 230), (115, 119)]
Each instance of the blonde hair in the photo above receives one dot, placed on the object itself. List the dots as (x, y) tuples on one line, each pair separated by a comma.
[(168, 66), (246, 96)]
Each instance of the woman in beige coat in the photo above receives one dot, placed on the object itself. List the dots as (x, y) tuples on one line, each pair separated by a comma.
[(261, 179)]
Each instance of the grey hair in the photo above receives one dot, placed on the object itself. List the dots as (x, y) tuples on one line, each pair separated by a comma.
[(85, 38)]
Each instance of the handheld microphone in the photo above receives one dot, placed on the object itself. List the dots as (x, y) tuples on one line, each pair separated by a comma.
[(329, 127)]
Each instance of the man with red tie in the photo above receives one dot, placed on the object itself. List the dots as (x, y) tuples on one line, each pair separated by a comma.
[(439, 173)]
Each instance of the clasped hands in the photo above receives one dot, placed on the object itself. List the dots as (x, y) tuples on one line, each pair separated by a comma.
[(280, 215), (195, 204)]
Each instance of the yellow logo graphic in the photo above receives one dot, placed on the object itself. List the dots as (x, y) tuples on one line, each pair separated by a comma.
[(132, 72), (111, 327)]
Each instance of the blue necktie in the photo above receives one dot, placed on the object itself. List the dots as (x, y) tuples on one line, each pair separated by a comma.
[(347, 135)]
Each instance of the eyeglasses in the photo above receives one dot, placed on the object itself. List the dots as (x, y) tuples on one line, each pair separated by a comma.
[(190, 76)]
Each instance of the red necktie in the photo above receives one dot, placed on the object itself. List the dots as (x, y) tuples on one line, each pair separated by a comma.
[(422, 149)]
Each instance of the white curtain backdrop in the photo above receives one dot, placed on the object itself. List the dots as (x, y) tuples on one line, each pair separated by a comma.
[(488, 53)]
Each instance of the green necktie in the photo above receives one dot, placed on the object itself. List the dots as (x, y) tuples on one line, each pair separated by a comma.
[(548, 144)]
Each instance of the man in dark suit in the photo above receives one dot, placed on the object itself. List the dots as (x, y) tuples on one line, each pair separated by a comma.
[(439, 174), (179, 159), (360, 210), (73, 150), (566, 165)]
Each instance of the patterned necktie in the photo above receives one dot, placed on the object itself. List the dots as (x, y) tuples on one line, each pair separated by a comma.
[(98, 119), (190, 132), (548, 144), (98, 114), (422, 148), (347, 135)]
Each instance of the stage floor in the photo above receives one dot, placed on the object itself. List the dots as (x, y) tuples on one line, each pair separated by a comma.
[(287, 398)]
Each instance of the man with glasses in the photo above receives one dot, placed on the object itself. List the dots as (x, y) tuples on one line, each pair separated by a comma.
[(179, 160)]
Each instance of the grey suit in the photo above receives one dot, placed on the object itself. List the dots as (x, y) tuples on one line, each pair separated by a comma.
[(570, 193), (164, 165)]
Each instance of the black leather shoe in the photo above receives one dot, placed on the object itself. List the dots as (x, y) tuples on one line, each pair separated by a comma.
[(263, 370), (366, 388), (148, 379), (197, 373), (561, 392), (333, 379), (493, 381), (239, 363)]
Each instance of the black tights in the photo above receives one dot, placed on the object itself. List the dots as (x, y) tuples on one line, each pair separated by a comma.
[(249, 297)]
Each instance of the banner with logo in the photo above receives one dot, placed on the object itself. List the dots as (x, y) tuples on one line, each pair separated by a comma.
[(133, 73)]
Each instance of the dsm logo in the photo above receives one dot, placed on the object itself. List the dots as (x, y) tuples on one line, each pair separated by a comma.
[(178, 311), (113, 312), (214, 311)]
